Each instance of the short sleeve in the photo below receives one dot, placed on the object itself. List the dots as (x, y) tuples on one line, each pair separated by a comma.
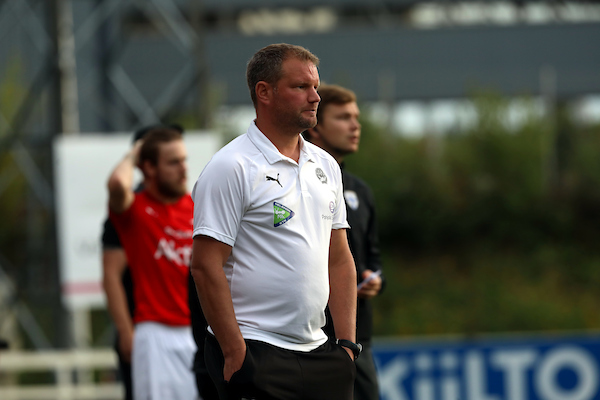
[(218, 198), (340, 216), (110, 238)]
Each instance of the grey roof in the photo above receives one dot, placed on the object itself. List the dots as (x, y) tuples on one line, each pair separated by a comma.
[(422, 64)]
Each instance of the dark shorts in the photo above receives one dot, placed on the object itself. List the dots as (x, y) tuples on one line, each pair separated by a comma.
[(272, 373)]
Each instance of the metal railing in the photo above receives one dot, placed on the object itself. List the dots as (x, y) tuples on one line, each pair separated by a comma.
[(73, 371)]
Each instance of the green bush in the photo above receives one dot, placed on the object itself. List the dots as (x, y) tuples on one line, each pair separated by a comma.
[(492, 228)]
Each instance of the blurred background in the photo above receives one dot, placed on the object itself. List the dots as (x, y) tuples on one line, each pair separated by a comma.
[(481, 135)]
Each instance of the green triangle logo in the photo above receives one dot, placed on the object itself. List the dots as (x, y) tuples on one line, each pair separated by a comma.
[(281, 214)]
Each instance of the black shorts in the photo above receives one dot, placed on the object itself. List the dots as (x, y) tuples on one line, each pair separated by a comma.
[(272, 373)]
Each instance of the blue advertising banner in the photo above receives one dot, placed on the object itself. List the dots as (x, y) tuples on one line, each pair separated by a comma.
[(508, 368)]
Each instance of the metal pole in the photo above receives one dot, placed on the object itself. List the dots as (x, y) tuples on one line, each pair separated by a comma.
[(203, 96), (65, 47), (57, 126)]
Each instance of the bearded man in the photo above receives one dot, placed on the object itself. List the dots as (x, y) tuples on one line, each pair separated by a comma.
[(155, 227)]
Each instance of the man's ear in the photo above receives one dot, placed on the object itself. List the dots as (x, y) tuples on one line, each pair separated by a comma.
[(263, 92), (148, 170)]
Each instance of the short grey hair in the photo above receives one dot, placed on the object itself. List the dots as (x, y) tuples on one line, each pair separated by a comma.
[(265, 64)]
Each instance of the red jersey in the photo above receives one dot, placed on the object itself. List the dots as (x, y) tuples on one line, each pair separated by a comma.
[(157, 239)]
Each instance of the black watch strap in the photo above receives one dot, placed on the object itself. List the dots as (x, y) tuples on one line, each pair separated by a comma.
[(355, 347)]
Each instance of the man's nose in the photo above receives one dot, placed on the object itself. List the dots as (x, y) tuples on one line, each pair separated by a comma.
[(314, 96)]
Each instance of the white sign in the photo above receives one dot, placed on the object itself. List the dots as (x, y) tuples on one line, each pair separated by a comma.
[(82, 165)]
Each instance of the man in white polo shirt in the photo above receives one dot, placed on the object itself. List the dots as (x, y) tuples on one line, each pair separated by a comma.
[(270, 249)]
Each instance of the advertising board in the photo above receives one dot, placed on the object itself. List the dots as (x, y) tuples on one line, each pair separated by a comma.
[(555, 367), (82, 166)]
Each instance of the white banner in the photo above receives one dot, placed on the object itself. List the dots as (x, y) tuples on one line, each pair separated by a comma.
[(82, 165)]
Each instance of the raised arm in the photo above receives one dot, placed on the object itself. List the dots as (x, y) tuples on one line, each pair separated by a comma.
[(342, 280), (120, 182), (208, 258)]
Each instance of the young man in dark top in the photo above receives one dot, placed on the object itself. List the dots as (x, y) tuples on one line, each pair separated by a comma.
[(338, 132)]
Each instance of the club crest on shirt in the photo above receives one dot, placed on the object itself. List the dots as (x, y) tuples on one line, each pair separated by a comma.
[(321, 175), (281, 214), (351, 199)]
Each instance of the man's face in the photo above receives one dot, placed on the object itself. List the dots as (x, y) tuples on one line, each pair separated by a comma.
[(171, 169), (295, 97), (338, 131)]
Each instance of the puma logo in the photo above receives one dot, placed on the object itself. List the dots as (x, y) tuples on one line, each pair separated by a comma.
[(269, 178)]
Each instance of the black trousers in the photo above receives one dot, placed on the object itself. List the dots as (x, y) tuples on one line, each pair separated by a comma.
[(204, 383), (366, 386), (272, 373), (124, 372)]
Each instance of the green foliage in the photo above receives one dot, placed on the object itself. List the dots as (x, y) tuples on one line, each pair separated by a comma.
[(12, 92), (492, 228), (489, 292), (12, 183)]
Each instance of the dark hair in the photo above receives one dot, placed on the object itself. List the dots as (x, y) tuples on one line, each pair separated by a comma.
[(265, 64), (153, 139), (141, 133)]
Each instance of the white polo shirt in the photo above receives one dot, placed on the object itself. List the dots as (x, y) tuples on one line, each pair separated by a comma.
[(277, 215)]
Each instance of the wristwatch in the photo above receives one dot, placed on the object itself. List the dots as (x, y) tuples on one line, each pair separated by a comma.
[(355, 347)]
